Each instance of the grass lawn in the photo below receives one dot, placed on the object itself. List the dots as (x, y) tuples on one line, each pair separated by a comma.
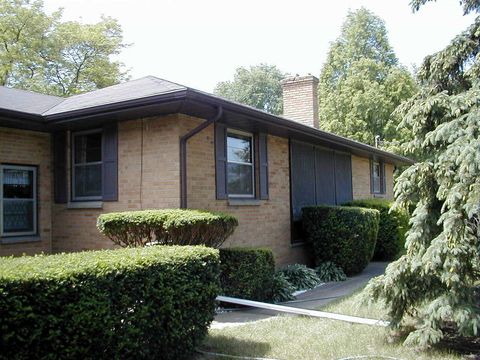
[(294, 337)]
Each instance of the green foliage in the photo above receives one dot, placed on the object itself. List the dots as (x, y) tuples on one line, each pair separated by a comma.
[(327, 271), (282, 289), (258, 86), (392, 228), (300, 276), (434, 281), (39, 52), (361, 83), (343, 235), (247, 273), (142, 303), (167, 227)]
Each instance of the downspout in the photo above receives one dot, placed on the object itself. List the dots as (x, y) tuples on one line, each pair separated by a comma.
[(183, 154)]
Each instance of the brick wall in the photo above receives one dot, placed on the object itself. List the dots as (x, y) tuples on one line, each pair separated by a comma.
[(21, 147), (266, 224), (361, 179), (300, 99), (148, 168)]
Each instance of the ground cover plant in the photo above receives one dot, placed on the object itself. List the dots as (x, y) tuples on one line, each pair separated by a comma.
[(142, 303), (167, 227), (300, 276)]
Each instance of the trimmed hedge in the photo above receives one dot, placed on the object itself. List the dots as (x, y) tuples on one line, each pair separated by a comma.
[(142, 303), (343, 235), (247, 273), (392, 229), (167, 227)]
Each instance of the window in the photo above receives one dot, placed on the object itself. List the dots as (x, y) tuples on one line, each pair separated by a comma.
[(240, 164), (87, 165), (18, 200), (377, 186)]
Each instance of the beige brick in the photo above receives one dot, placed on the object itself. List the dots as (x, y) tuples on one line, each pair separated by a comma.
[(23, 147)]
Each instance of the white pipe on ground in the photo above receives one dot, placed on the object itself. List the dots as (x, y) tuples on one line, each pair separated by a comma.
[(306, 312)]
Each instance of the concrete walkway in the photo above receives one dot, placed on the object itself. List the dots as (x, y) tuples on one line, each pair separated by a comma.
[(312, 299)]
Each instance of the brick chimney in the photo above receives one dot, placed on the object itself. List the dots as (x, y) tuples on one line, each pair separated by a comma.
[(300, 99)]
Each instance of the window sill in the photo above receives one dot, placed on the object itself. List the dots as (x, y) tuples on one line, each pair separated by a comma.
[(19, 239), (378, 195), (298, 244), (244, 202), (85, 205)]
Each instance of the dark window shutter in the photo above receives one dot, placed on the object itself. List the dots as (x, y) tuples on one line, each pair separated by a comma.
[(110, 162), (302, 177), (343, 178), (221, 161), (325, 176), (60, 167), (263, 165)]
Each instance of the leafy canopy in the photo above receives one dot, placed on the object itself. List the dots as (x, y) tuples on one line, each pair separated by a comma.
[(435, 282), (41, 53), (258, 86), (362, 83)]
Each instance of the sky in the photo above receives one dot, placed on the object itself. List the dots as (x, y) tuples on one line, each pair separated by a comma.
[(198, 43)]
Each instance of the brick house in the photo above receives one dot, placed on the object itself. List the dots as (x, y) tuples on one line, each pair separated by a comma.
[(150, 143)]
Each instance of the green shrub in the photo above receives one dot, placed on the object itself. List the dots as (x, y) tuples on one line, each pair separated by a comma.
[(392, 228), (247, 273), (143, 303), (327, 271), (300, 276), (167, 227), (343, 235), (282, 290)]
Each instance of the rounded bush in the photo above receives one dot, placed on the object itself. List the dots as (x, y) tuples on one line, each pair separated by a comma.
[(247, 273), (343, 235), (392, 228), (282, 290), (167, 227), (143, 303)]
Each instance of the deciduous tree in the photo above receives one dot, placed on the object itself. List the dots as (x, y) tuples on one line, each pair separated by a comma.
[(362, 83), (39, 52), (258, 86)]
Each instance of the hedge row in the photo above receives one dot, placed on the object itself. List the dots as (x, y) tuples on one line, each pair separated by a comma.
[(392, 228), (167, 227), (343, 235), (154, 302), (247, 273)]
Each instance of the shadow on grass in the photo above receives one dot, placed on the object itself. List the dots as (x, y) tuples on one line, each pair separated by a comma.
[(232, 346)]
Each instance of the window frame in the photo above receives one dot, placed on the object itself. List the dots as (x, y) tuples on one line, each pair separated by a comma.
[(381, 185), (34, 199), (74, 165), (252, 164)]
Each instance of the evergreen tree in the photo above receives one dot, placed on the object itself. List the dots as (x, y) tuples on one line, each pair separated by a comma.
[(362, 83), (436, 282)]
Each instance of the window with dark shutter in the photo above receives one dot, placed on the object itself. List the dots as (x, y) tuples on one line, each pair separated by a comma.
[(237, 173), (60, 167), (377, 177), (110, 163), (221, 161), (263, 166)]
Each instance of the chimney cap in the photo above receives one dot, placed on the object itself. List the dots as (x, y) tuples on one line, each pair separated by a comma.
[(297, 79)]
